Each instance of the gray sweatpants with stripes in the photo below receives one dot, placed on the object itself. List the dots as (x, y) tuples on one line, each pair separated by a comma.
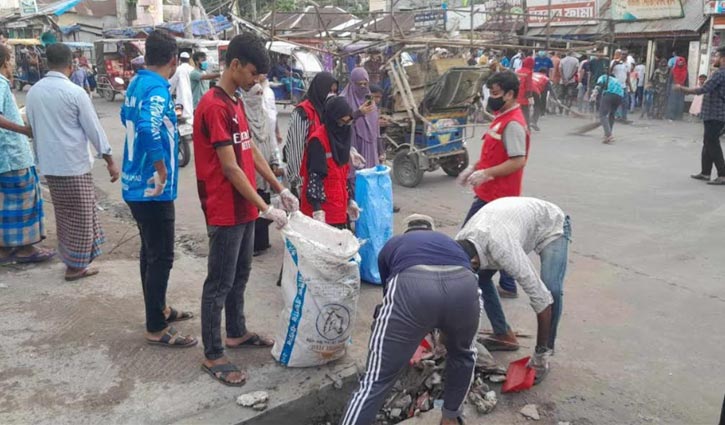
[(418, 300)]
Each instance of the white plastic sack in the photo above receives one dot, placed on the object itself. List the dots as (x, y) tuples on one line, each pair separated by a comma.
[(320, 287)]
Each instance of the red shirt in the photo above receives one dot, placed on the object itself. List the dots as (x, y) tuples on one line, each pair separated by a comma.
[(494, 153), (220, 121), (539, 82)]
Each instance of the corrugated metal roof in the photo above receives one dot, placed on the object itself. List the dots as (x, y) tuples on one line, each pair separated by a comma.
[(691, 23)]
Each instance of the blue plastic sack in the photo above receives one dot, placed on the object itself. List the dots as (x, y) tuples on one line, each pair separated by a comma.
[(374, 195)]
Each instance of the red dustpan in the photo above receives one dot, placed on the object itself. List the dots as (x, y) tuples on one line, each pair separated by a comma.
[(519, 377)]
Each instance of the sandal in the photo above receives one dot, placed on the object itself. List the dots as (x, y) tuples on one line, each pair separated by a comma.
[(255, 341), (87, 272), (494, 344), (220, 373), (176, 316), (172, 339), (40, 255)]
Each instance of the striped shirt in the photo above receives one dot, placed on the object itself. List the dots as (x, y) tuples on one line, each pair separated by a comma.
[(506, 230), (294, 147)]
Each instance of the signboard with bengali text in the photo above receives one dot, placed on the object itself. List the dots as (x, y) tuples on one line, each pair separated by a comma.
[(638, 10), (563, 12)]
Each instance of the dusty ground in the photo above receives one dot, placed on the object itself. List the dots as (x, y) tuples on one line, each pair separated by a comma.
[(641, 340)]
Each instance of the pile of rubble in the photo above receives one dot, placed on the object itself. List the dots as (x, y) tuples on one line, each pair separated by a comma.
[(420, 388)]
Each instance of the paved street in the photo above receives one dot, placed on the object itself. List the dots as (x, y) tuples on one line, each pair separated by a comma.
[(641, 339)]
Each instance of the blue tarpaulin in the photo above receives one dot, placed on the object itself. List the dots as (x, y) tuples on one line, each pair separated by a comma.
[(199, 28)]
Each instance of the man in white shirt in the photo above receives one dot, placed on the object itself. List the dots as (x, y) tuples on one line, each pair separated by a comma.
[(641, 70), (64, 121), (499, 237), (181, 87), (620, 69)]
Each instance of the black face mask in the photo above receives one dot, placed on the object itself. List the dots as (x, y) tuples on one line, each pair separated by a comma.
[(496, 103)]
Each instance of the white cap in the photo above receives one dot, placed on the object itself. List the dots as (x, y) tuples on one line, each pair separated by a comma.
[(418, 222), (184, 55)]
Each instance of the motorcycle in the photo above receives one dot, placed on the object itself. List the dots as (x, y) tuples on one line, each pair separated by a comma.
[(185, 133)]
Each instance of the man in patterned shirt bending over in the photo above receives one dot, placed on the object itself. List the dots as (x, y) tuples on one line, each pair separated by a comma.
[(499, 237)]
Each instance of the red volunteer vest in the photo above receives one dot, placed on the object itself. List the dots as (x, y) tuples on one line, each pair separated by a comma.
[(494, 153), (312, 116), (335, 184)]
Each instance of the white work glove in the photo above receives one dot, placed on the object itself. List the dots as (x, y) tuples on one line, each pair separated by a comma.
[(358, 161), (353, 210), (289, 201), (464, 175), (593, 97), (319, 215), (158, 189), (540, 363), (274, 214), (478, 178)]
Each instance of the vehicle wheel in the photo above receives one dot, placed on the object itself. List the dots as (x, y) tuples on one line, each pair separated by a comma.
[(455, 164), (109, 94), (406, 170), (184, 152)]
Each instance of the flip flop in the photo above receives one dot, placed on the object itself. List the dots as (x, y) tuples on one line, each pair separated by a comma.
[(172, 339), (255, 341), (87, 272), (224, 370), (176, 316), (10, 258), (39, 256)]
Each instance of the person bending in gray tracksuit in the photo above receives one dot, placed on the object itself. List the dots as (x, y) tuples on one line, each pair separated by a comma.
[(429, 284)]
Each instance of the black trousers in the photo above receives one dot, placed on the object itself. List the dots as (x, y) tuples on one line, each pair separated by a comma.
[(526, 110), (711, 149), (155, 221), (261, 226)]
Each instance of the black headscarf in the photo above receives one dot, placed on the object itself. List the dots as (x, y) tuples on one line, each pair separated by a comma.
[(319, 90), (340, 137)]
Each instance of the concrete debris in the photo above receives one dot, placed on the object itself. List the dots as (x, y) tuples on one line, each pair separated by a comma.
[(3, 286), (484, 402), (260, 407), (497, 379), (484, 359), (396, 413), (530, 412), (403, 402), (253, 399), (423, 403), (435, 379), (563, 423), (336, 381)]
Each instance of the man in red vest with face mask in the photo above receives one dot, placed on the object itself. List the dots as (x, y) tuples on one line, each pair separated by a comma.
[(499, 171)]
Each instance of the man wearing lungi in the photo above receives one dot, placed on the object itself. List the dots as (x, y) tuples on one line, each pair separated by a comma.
[(64, 122), (21, 215)]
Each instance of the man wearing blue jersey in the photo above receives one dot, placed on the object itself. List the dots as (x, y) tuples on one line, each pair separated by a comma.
[(150, 175)]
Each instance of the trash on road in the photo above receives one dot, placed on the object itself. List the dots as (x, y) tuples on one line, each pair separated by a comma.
[(254, 399), (530, 411)]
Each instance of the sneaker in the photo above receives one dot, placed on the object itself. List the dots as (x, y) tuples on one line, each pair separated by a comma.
[(700, 176), (534, 127), (720, 181)]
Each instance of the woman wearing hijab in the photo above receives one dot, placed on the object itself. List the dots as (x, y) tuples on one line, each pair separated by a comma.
[(659, 82), (365, 127), (259, 125), (526, 85), (305, 119), (325, 168), (676, 99)]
